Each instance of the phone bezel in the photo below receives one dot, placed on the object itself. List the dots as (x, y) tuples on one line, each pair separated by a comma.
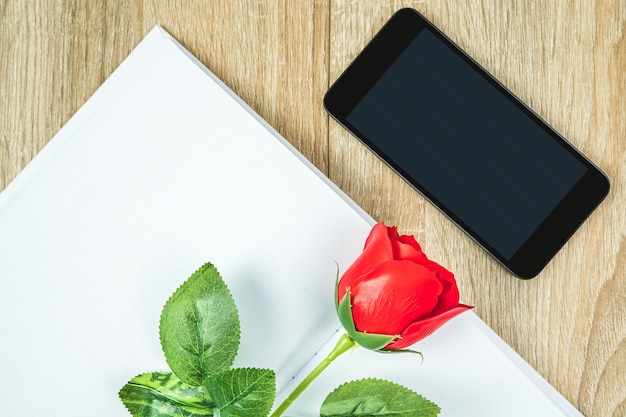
[(380, 53)]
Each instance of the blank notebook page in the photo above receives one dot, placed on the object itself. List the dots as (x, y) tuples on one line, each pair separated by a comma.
[(162, 171)]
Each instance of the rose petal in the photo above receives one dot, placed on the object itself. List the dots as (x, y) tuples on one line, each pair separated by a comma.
[(377, 250), (393, 296), (378, 232), (406, 248), (410, 240), (421, 329), (442, 273), (449, 297)]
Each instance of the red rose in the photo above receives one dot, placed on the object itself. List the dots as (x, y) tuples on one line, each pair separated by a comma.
[(393, 295)]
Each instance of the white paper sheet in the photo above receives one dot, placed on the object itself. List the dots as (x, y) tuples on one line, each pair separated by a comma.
[(164, 169)]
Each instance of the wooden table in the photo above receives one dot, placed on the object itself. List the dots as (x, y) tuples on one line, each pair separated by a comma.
[(567, 60)]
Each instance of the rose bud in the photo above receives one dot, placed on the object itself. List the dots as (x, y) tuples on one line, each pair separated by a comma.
[(392, 295)]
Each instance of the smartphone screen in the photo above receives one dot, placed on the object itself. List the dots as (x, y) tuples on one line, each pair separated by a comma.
[(466, 143)]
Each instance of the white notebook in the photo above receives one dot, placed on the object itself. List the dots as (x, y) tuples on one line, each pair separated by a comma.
[(162, 170)]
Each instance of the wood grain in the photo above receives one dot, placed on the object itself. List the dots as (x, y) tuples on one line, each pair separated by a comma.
[(567, 60)]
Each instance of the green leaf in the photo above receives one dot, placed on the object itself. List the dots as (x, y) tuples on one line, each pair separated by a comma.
[(376, 398), (163, 394), (199, 327), (243, 392)]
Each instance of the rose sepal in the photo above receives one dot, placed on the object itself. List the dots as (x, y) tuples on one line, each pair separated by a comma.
[(394, 351), (370, 341)]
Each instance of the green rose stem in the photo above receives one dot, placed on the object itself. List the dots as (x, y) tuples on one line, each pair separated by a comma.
[(344, 344)]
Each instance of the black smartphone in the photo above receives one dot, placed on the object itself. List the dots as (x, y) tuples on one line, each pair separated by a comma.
[(466, 143)]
